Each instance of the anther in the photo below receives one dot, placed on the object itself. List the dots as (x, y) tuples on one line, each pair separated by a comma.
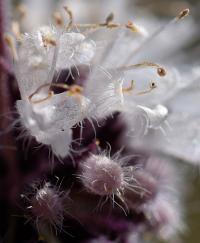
[(130, 25), (97, 142), (58, 19), (183, 13), (161, 71), (11, 44), (152, 86), (75, 90), (109, 18)]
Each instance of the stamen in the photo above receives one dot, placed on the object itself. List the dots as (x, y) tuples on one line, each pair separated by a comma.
[(50, 93), (11, 44), (160, 70), (152, 86), (109, 18), (70, 16), (58, 19), (130, 88), (16, 30), (130, 25), (73, 90), (161, 29), (183, 13), (110, 25), (97, 142)]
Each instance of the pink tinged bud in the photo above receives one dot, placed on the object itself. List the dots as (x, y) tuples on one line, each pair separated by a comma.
[(47, 206), (164, 215), (145, 191), (101, 175)]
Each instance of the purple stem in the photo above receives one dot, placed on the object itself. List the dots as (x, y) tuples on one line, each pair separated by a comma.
[(6, 105)]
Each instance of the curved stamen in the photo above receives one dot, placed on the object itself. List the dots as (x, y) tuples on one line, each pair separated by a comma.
[(130, 88), (152, 86), (184, 13), (160, 70), (73, 90), (107, 24), (70, 16)]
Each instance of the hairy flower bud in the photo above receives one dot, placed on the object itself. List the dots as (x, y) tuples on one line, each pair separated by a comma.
[(47, 205), (101, 175)]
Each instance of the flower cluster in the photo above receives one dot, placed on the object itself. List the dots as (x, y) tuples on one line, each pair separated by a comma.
[(108, 119)]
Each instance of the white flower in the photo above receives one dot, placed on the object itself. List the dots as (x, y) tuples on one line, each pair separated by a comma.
[(49, 117)]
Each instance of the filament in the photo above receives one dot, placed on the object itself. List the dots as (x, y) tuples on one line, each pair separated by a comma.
[(152, 86), (160, 70), (130, 88), (16, 30), (184, 13), (73, 90), (70, 16), (107, 24)]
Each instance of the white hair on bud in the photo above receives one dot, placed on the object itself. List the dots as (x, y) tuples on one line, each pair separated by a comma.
[(107, 177), (46, 204), (165, 214), (101, 175)]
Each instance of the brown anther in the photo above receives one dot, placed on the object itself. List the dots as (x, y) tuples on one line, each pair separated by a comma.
[(153, 85), (131, 26), (76, 89), (161, 71), (58, 18), (97, 142), (184, 13), (109, 18)]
